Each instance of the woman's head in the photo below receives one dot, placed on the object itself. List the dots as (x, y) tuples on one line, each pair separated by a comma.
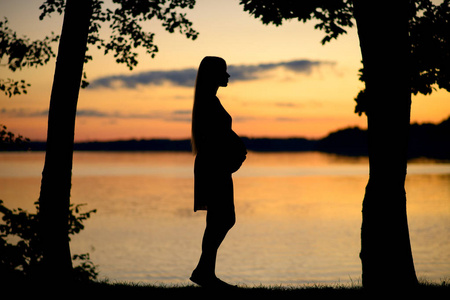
[(212, 73)]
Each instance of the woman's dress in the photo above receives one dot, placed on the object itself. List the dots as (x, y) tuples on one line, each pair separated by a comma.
[(220, 152)]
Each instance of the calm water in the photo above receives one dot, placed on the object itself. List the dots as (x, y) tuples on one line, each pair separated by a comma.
[(298, 215)]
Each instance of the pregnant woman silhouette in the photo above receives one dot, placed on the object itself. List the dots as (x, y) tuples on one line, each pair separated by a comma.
[(219, 153)]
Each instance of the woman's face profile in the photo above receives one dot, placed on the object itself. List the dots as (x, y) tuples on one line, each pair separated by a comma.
[(222, 77), (221, 74), (214, 71)]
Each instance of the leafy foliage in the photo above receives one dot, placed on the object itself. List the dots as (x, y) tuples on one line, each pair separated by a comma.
[(125, 21), (429, 29), (22, 53), (333, 15), (12, 87), (8, 140), (430, 46), (127, 34), (429, 35), (20, 244)]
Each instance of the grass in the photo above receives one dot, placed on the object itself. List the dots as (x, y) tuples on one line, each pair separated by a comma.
[(126, 290), (158, 291)]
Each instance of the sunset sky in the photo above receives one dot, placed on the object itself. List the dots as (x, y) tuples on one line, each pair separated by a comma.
[(284, 82)]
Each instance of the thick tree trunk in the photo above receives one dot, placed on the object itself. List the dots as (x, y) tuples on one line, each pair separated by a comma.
[(54, 197), (385, 246)]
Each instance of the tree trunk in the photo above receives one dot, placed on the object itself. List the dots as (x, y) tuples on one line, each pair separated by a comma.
[(385, 246), (54, 197)]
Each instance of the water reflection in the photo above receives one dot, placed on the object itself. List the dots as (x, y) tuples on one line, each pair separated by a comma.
[(298, 215)]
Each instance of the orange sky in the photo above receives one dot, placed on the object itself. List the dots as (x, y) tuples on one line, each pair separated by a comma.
[(277, 102)]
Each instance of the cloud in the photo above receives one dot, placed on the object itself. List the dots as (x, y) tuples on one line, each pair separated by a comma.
[(287, 104), (251, 72), (186, 77), (23, 113), (171, 116)]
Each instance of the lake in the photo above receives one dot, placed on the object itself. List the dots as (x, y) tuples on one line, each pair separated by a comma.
[(298, 215)]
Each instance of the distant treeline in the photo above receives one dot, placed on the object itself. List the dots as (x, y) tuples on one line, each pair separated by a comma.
[(426, 140)]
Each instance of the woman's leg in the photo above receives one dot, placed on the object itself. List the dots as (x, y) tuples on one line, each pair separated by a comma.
[(220, 218), (217, 227)]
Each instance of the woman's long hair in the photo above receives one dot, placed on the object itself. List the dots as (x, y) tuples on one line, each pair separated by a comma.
[(205, 84)]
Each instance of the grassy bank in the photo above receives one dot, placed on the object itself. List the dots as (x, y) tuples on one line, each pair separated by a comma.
[(112, 290), (427, 291)]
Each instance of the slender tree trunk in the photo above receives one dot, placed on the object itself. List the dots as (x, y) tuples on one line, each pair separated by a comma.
[(385, 246), (54, 197)]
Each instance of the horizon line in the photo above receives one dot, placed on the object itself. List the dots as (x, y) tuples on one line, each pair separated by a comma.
[(243, 136)]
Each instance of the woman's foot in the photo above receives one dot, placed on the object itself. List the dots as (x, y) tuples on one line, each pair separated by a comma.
[(210, 282)]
